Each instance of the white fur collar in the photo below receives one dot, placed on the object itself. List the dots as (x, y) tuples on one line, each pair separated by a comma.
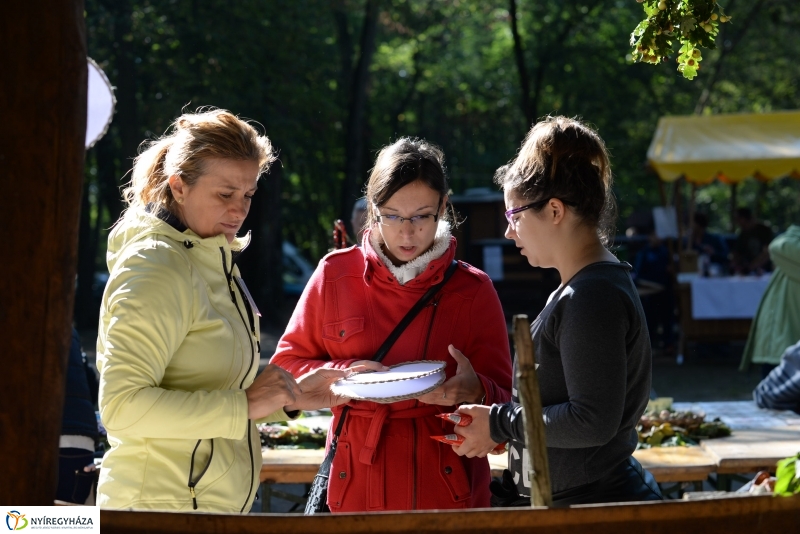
[(408, 271)]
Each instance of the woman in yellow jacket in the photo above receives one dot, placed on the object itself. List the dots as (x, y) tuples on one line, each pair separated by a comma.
[(178, 343)]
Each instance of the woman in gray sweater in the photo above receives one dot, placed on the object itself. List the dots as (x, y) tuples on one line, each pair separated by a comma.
[(591, 339)]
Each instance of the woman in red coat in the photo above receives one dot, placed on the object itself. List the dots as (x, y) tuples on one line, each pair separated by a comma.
[(385, 458)]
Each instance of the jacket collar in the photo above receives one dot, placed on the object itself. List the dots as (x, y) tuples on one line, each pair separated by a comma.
[(422, 271)]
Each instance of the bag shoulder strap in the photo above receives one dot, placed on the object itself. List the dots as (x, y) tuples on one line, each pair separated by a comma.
[(413, 312)]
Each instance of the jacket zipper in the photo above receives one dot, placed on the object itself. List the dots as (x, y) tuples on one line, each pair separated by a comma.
[(241, 384), (193, 483)]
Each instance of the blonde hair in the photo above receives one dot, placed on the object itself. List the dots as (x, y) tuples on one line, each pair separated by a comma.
[(565, 158), (195, 138)]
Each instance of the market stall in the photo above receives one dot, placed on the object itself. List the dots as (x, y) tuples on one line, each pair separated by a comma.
[(729, 148)]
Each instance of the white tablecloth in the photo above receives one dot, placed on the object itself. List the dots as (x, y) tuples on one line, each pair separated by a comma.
[(733, 297)]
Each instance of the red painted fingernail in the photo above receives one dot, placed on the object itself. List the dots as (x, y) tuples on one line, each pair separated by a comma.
[(460, 419), (449, 439)]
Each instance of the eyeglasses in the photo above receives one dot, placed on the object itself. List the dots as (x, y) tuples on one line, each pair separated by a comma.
[(416, 221), (533, 205), (510, 213)]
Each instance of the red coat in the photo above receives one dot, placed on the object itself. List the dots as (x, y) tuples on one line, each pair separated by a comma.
[(385, 459)]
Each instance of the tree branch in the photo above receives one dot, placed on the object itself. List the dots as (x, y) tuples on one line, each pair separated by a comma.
[(724, 51)]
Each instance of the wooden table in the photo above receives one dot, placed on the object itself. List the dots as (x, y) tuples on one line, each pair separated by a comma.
[(677, 464), (749, 451), (290, 466), (759, 437)]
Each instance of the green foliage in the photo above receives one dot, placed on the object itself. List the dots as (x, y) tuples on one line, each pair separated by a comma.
[(445, 71), (691, 24), (788, 476)]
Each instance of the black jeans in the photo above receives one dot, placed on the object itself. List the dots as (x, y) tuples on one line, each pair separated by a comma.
[(74, 484), (628, 481)]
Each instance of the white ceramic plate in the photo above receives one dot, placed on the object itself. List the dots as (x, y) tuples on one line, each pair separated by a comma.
[(402, 381)]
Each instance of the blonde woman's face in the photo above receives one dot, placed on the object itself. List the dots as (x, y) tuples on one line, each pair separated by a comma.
[(407, 240), (218, 202)]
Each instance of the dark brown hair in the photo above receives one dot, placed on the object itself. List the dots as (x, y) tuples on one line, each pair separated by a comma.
[(405, 161), (566, 159)]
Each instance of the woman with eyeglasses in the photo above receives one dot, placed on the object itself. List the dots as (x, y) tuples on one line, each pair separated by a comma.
[(591, 340), (385, 458)]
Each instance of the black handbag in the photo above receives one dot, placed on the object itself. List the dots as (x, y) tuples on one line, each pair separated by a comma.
[(317, 502)]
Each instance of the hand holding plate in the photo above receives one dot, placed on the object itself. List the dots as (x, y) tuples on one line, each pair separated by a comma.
[(464, 386)]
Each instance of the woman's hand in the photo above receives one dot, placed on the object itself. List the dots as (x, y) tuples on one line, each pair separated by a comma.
[(367, 365), (476, 434), (465, 386), (316, 389), (273, 389)]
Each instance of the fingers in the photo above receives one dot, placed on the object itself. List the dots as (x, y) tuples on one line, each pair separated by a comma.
[(463, 362), (370, 365), (437, 397), (468, 409), (332, 375)]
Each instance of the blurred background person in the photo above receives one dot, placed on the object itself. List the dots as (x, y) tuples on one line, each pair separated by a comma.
[(652, 272), (780, 390), (79, 435), (750, 253), (358, 219), (777, 321), (709, 244)]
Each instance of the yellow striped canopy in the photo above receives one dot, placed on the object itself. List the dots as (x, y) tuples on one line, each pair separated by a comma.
[(730, 148)]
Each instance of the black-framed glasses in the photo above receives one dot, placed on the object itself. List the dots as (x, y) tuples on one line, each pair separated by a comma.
[(417, 220)]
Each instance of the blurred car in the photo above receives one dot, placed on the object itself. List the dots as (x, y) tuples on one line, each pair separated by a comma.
[(296, 270)]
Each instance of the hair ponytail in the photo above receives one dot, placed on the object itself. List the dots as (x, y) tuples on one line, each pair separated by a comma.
[(566, 159), (195, 138)]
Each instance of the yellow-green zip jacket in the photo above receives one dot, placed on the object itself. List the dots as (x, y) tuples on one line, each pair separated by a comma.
[(177, 346)]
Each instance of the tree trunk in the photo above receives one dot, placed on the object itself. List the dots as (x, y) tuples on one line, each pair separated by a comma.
[(41, 162), (127, 118), (519, 55), (85, 312), (354, 131), (262, 267)]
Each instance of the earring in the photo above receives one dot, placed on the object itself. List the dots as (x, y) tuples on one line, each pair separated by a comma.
[(179, 200)]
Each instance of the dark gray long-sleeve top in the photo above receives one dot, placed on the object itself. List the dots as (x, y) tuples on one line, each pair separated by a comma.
[(593, 350)]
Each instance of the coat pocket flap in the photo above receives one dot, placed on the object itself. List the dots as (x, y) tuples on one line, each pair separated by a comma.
[(454, 475), (341, 331), (340, 476)]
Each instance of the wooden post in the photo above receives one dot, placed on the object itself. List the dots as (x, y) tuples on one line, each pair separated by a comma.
[(43, 53), (528, 386)]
